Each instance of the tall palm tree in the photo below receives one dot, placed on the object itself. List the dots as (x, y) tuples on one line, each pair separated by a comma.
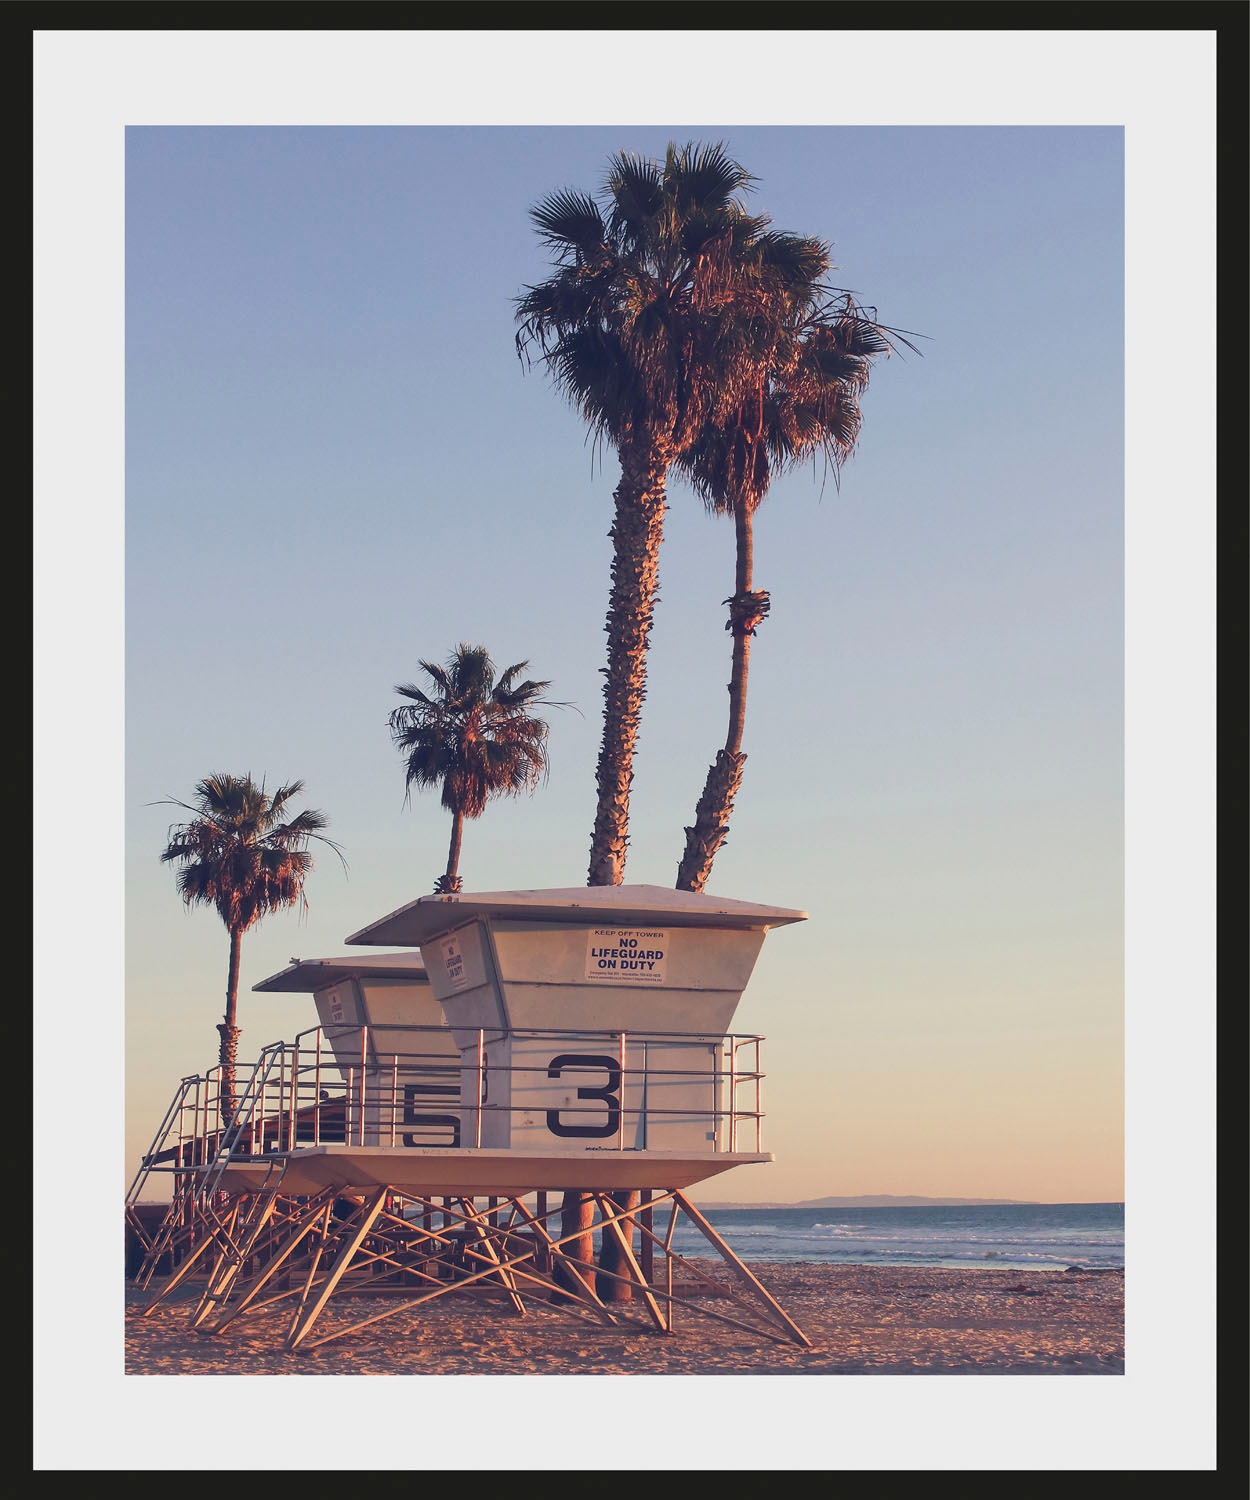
[(242, 853), (639, 329), (472, 736), (802, 399)]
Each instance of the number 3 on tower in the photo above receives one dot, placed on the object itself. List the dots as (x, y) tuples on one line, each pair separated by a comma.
[(607, 1095)]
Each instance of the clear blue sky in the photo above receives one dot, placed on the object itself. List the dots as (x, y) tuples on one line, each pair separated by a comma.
[(335, 465)]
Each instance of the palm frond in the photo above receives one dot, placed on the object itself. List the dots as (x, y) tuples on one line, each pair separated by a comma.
[(635, 192), (477, 736), (569, 223), (703, 178), (798, 261), (237, 854)]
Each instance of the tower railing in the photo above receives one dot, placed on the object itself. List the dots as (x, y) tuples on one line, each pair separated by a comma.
[(409, 1086)]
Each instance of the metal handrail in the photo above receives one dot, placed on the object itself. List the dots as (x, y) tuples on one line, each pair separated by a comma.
[(308, 1092), (169, 1126)]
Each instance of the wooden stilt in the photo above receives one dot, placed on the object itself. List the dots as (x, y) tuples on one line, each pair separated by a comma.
[(577, 1218)]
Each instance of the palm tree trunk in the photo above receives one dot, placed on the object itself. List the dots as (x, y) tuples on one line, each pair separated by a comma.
[(448, 884), (611, 1257), (741, 623), (720, 789), (637, 531), (577, 1215), (636, 534), (229, 1032)]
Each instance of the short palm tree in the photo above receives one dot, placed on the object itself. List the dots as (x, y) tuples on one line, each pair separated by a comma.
[(639, 327), (243, 853), (803, 399), (473, 737)]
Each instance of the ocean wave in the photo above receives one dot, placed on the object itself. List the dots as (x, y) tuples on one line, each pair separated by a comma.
[(1022, 1237)]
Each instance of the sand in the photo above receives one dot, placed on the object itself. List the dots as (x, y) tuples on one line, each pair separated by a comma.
[(860, 1320)]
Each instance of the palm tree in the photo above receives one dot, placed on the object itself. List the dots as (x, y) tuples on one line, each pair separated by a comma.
[(642, 328), (243, 854), (639, 328), (473, 737), (802, 400)]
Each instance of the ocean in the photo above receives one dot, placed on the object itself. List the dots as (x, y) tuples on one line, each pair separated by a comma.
[(1016, 1236)]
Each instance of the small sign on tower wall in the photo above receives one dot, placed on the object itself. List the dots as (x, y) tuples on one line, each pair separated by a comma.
[(626, 955)]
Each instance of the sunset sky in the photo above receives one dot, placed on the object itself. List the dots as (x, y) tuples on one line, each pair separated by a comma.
[(330, 463)]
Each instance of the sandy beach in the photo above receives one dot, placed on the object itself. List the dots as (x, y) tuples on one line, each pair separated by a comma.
[(860, 1320)]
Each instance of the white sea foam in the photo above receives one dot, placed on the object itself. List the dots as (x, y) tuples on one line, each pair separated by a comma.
[(1026, 1236)]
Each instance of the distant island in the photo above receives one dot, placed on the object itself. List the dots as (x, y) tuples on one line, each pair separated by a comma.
[(878, 1200)]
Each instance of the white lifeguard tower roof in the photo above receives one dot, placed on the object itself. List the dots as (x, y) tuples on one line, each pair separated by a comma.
[(649, 905), (305, 976)]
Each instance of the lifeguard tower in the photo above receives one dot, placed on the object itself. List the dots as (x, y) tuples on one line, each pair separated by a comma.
[(382, 1026), (553, 1046)]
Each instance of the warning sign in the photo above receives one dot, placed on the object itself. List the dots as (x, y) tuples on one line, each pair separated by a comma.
[(452, 956), (620, 955)]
